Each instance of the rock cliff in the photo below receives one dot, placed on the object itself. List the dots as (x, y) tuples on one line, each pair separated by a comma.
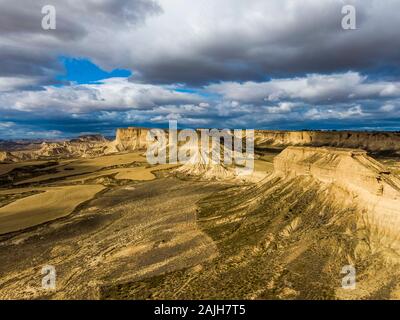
[(135, 138), (129, 139), (322, 212), (369, 185), (371, 141)]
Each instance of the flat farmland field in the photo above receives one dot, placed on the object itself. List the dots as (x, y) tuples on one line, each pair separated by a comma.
[(83, 166), (40, 208), (135, 174)]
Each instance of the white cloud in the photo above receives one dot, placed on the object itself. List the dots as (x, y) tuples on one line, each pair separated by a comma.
[(314, 88), (319, 114), (9, 129), (15, 83), (282, 107), (122, 102), (388, 107), (200, 41), (6, 124), (109, 94)]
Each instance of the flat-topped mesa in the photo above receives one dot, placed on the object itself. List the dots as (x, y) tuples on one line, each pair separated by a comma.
[(89, 138), (350, 168), (367, 183), (371, 141), (129, 139), (134, 138)]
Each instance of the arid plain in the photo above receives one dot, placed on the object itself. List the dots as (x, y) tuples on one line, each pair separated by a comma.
[(116, 227)]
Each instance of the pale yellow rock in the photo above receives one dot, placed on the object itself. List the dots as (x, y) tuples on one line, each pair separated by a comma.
[(372, 187), (372, 141)]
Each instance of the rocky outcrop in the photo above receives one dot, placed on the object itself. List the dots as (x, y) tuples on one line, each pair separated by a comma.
[(322, 213), (83, 146), (371, 141), (201, 166), (73, 149), (135, 138), (90, 138), (348, 167), (129, 139), (369, 185), (7, 157)]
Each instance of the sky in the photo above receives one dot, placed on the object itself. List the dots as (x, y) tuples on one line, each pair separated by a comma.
[(276, 64)]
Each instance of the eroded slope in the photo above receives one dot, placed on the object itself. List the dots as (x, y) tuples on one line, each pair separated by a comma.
[(289, 236)]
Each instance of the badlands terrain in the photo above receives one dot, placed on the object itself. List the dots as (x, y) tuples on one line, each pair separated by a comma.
[(116, 227)]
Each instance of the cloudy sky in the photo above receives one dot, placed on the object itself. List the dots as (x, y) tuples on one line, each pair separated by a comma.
[(276, 64)]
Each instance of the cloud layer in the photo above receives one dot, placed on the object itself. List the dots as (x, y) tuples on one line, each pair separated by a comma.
[(274, 64)]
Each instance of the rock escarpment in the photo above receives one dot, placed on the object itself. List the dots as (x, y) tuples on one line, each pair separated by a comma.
[(6, 157), (135, 138), (370, 186), (201, 165), (371, 141), (320, 212), (129, 139), (83, 146)]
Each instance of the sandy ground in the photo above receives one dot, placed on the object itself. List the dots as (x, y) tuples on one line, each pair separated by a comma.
[(83, 166), (130, 232), (39, 208)]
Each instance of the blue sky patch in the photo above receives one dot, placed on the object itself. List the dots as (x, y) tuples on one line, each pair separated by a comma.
[(82, 71)]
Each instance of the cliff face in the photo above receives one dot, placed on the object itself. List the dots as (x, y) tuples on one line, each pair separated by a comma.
[(369, 185), (321, 211), (6, 157), (371, 141), (134, 138), (347, 167), (129, 139)]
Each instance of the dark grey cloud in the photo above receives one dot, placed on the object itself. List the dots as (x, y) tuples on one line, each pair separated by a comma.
[(29, 51), (201, 42), (23, 22), (130, 12), (278, 39), (288, 62)]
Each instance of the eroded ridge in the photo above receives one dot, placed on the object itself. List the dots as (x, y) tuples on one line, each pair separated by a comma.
[(374, 189)]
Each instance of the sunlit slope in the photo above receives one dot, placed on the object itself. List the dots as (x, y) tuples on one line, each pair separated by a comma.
[(289, 236), (370, 186)]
